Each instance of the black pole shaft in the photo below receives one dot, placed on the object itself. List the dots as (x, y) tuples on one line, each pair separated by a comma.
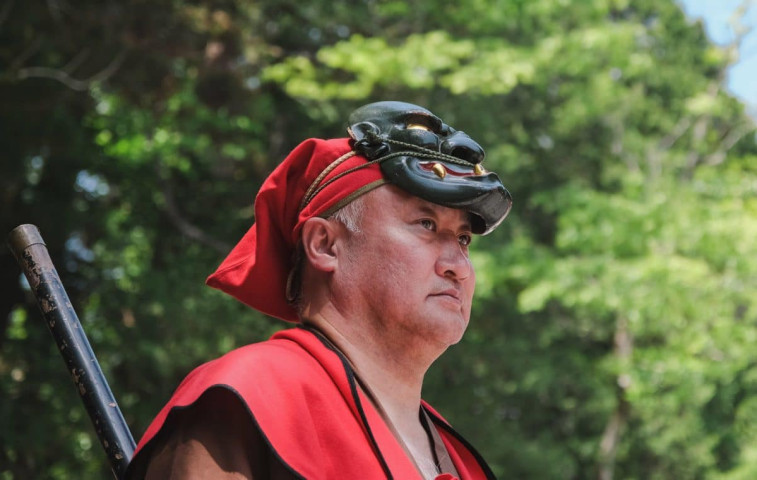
[(31, 253)]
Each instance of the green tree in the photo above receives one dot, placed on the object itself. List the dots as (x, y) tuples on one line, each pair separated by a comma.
[(614, 317)]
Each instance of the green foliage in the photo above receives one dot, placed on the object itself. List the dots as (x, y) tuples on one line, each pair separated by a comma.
[(615, 311)]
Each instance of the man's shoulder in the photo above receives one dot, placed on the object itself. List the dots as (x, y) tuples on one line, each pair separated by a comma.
[(276, 353), (273, 377)]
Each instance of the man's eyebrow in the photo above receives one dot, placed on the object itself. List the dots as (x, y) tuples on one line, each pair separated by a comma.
[(466, 224), (423, 207), (428, 209)]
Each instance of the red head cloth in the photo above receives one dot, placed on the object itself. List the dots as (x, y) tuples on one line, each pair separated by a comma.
[(256, 270)]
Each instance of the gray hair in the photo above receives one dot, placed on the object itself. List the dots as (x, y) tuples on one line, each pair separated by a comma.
[(350, 216)]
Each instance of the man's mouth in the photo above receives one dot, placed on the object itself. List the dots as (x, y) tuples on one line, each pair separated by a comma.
[(449, 293)]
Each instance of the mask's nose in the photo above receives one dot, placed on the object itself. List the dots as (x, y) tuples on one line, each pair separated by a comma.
[(462, 146)]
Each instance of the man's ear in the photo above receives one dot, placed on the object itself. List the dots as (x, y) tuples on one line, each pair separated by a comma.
[(319, 238)]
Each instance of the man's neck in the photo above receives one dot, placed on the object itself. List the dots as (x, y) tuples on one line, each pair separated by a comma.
[(391, 370)]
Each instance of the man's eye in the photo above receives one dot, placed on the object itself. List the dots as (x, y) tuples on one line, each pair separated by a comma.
[(428, 224), (465, 239), (418, 126)]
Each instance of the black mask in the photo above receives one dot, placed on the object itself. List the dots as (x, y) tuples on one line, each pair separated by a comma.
[(429, 159)]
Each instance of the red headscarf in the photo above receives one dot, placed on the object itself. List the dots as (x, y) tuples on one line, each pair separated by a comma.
[(317, 178)]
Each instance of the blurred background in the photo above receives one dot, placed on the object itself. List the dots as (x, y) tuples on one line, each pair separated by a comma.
[(615, 329)]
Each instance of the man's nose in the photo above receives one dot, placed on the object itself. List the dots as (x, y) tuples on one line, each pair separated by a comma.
[(453, 260), (462, 146)]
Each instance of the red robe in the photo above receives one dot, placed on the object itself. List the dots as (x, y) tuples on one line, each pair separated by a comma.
[(303, 397)]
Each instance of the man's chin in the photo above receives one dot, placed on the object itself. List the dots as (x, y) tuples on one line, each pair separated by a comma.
[(451, 328)]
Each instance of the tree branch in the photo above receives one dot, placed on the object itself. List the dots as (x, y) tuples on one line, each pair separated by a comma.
[(6, 11), (33, 47), (608, 446), (670, 139), (171, 209), (731, 138), (63, 77), (76, 61), (55, 10)]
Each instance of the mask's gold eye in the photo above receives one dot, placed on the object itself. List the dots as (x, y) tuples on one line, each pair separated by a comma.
[(418, 126)]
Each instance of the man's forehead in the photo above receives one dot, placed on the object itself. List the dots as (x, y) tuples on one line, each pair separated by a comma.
[(409, 203), (462, 216)]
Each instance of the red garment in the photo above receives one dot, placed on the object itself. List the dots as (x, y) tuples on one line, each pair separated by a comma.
[(303, 397)]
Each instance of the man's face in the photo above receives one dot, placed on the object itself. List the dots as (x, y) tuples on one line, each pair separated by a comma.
[(408, 270)]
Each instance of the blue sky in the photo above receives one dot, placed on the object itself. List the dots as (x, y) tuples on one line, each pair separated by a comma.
[(717, 16)]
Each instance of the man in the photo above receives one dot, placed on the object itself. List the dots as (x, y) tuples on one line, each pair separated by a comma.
[(363, 242)]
